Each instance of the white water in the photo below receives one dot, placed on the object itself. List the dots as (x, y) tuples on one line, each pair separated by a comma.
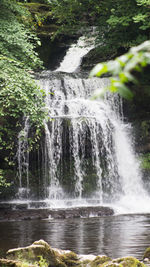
[(90, 137), (109, 138), (135, 198), (76, 52), (23, 160)]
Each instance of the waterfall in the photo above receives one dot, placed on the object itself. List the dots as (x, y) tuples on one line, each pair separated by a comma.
[(74, 55), (23, 160), (87, 152)]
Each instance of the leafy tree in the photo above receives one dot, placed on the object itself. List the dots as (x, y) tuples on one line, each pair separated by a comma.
[(73, 15), (2, 180), (40, 13), (124, 70), (19, 94), (17, 40), (120, 24)]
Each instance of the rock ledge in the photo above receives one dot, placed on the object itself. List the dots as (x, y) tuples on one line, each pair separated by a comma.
[(78, 212)]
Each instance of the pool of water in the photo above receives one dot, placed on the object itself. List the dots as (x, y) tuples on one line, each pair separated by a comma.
[(115, 236)]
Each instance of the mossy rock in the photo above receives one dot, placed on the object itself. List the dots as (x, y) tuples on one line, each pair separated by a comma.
[(70, 259), (11, 263), (52, 257), (145, 161), (147, 254), (100, 260), (31, 254), (124, 262)]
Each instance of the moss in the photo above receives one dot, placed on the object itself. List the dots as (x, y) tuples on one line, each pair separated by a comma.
[(42, 243), (41, 254), (36, 6), (145, 161), (147, 253), (70, 259), (124, 262), (100, 260), (40, 250), (32, 253), (85, 263), (47, 30), (11, 263), (145, 126), (72, 256)]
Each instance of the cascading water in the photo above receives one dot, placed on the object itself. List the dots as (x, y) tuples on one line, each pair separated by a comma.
[(73, 58), (23, 160), (87, 154)]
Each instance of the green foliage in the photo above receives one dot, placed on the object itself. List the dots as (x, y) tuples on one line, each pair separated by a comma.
[(72, 15), (124, 25), (42, 262), (3, 182), (40, 13), (143, 16), (120, 24), (19, 94), (123, 68), (17, 41), (145, 161)]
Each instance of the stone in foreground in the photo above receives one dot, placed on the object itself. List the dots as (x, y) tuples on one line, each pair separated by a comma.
[(41, 254), (124, 262)]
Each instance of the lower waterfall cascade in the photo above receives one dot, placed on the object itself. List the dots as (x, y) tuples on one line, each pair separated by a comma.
[(86, 156)]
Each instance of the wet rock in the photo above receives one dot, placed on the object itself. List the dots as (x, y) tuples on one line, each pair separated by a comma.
[(32, 253), (24, 214), (124, 262), (78, 212), (147, 254), (7, 206), (11, 263), (40, 251), (51, 257), (69, 259), (99, 260), (41, 254)]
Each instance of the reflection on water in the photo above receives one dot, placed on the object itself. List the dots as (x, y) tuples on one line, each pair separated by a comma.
[(114, 236)]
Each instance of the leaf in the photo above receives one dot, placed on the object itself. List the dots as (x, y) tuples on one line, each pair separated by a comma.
[(99, 69), (124, 91)]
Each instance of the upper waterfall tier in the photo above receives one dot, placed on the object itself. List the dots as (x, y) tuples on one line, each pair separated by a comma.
[(76, 52)]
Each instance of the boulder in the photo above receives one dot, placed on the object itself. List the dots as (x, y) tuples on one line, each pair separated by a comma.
[(100, 260), (124, 262), (11, 263), (147, 254), (41, 254), (40, 251), (33, 253)]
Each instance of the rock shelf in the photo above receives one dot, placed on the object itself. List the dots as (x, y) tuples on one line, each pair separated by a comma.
[(22, 213)]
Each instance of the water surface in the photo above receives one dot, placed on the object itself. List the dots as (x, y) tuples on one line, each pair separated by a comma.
[(115, 236)]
